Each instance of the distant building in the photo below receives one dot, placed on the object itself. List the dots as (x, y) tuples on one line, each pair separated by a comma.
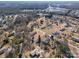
[(56, 10)]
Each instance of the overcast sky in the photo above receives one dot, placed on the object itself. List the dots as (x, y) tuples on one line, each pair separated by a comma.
[(39, 0)]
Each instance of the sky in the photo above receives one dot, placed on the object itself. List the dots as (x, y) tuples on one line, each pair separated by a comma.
[(39, 0)]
